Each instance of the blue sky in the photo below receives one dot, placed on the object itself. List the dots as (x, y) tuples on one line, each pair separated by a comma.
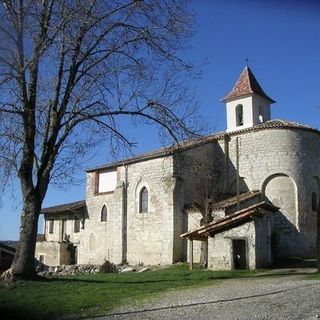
[(281, 40)]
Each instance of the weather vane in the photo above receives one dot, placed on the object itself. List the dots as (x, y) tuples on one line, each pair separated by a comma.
[(247, 61)]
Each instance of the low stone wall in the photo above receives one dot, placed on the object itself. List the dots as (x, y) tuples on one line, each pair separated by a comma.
[(77, 269), (66, 270)]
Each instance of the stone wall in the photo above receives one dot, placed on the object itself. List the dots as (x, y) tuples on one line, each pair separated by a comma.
[(102, 240), (150, 235), (194, 223), (54, 253), (268, 154), (283, 163), (220, 247), (264, 229), (190, 168), (57, 229), (257, 235)]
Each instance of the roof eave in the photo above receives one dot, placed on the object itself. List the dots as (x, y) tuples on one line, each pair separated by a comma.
[(60, 209), (245, 95)]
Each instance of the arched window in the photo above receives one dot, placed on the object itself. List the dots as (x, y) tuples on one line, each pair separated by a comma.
[(239, 115), (143, 200), (104, 214)]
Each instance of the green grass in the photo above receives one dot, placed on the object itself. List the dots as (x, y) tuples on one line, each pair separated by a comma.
[(92, 295), (314, 276)]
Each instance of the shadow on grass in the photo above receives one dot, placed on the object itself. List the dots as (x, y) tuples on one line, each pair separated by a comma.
[(295, 262), (25, 314), (119, 281)]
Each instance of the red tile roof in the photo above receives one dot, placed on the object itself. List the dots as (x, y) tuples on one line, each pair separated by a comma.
[(232, 201), (230, 221), (246, 85), (188, 144)]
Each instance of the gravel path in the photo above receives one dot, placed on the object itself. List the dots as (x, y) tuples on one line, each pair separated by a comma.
[(285, 297)]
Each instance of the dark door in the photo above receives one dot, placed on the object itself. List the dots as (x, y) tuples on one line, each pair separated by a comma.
[(239, 254)]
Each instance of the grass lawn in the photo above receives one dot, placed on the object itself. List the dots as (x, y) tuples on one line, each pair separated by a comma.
[(91, 295)]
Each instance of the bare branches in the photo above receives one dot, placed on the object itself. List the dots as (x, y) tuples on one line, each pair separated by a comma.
[(203, 168), (70, 71), (83, 66)]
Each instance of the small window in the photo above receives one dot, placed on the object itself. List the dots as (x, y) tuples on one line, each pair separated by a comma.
[(143, 200), (41, 262), (314, 202), (51, 226), (64, 230), (239, 115), (76, 225), (106, 181), (104, 214), (41, 258)]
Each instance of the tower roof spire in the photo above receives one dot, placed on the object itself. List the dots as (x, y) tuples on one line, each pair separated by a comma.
[(246, 85)]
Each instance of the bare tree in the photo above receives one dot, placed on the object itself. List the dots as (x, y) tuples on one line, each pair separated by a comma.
[(70, 71), (203, 172)]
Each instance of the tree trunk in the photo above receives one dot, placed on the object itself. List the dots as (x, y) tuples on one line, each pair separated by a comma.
[(204, 254), (23, 266), (318, 237), (207, 218)]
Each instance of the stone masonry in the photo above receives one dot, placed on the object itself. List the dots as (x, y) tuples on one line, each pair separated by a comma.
[(278, 158)]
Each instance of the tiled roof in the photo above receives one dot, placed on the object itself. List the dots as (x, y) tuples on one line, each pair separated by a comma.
[(230, 221), (246, 85), (231, 201), (188, 144), (65, 207), (227, 200)]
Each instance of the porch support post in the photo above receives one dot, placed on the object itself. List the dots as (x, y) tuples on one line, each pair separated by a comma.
[(190, 254)]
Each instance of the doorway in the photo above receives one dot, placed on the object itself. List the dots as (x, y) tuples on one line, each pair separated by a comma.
[(239, 251)]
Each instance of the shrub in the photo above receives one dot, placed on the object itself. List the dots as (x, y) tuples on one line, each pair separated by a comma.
[(108, 267)]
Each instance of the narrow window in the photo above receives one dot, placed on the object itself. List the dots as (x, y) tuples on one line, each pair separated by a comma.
[(239, 115), (41, 262), (314, 202), (51, 225), (76, 224), (41, 258), (143, 200), (63, 229), (104, 214)]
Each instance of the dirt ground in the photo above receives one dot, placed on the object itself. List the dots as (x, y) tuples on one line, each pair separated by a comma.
[(278, 295)]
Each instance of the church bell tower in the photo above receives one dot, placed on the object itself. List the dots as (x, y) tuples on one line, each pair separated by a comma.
[(247, 104)]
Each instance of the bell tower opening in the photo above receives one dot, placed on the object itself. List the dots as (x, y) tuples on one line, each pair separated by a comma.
[(239, 115), (247, 104)]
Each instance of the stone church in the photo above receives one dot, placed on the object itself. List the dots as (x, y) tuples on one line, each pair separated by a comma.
[(139, 210)]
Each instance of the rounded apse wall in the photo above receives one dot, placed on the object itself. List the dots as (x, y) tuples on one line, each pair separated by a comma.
[(284, 164)]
